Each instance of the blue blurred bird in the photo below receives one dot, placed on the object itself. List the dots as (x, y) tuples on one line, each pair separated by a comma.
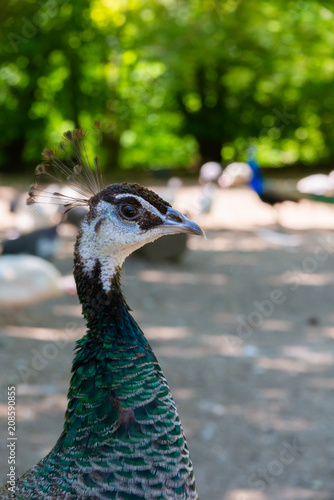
[(257, 183)]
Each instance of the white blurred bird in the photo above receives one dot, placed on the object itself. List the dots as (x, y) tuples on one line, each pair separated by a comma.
[(27, 280), (318, 184), (235, 174), (209, 172)]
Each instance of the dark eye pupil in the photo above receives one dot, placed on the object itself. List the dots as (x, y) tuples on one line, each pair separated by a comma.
[(128, 211)]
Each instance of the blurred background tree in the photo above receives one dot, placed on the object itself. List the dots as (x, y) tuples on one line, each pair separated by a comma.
[(175, 82)]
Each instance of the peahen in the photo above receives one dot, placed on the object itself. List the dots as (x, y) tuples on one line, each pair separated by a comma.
[(122, 437)]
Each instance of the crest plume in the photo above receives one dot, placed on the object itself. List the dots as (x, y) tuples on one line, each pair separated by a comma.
[(68, 164)]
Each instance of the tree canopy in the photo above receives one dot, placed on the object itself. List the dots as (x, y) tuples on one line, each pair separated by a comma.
[(174, 81)]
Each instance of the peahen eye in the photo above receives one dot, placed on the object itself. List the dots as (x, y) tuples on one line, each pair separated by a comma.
[(129, 212)]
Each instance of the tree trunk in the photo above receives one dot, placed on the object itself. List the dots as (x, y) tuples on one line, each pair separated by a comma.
[(13, 154), (112, 147), (210, 149)]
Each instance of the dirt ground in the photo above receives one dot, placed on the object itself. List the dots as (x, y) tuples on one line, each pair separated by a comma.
[(243, 327)]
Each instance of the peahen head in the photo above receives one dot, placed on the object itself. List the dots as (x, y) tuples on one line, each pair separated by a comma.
[(121, 219)]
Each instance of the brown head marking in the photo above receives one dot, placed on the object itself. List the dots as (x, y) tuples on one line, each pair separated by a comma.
[(110, 192)]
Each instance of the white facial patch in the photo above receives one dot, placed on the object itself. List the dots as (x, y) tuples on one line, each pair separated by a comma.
[(113, 239)]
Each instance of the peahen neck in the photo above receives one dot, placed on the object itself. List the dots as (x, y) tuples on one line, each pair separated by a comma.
[(113, 345), (102, 305)]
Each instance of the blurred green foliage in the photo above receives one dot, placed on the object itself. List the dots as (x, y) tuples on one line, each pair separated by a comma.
[(174, 81)]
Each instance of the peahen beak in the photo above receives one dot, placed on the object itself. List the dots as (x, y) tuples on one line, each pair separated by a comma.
[(175, 222)]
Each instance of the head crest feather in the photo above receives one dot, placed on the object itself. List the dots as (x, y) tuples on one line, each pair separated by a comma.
[(68, 164)]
